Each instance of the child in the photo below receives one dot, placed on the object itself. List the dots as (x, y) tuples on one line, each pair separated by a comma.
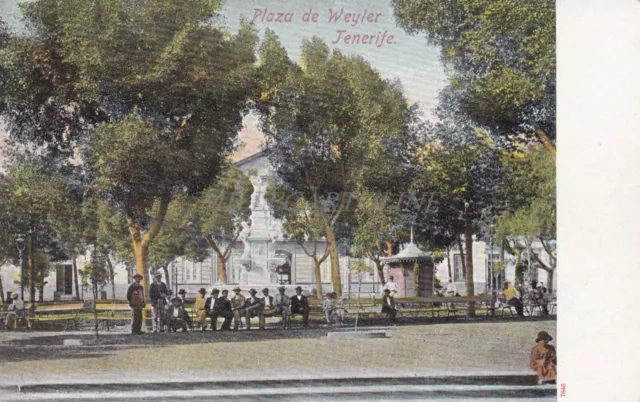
[(543, 359), (328, 305)]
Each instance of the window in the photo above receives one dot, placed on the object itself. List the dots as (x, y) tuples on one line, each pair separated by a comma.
[(458, 272)]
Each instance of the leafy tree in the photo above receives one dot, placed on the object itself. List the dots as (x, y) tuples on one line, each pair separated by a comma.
[(330, 122), (500, 56), (219, 213), (529, 204), (151, 124), (95, 275), (302, 224), (37, 205), (462, 178)]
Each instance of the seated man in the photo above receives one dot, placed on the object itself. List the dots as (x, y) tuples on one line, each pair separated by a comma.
[(300, 305), (219, 307), (176, 316), (253, 308), (512, 296), (282, 305), (268, 307), (15, 310), (537, 297), (389, 306), (237, 306)]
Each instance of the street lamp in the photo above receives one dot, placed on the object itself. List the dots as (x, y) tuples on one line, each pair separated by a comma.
[(20, 244)]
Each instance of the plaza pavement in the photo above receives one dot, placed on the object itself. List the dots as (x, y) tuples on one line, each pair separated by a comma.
[(439, 350)]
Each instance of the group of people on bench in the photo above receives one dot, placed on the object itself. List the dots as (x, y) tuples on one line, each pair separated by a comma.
[(170, 314), (239, 307)]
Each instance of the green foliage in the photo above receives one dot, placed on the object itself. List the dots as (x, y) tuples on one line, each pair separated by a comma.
[(94, 274), (416, 278), (36, 204), (500, 56)]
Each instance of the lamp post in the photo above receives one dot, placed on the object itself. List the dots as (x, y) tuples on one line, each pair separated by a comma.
[(20, 244)]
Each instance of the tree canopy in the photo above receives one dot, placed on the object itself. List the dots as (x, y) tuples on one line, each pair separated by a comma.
[(500, 56)]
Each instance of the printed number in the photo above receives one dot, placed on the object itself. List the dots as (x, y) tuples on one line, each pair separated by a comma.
[(563, 390)]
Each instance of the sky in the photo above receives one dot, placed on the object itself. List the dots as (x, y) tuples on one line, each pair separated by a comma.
[(409, 58)]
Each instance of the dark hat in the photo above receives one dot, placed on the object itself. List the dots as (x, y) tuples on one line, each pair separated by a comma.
[(176, 299), (387, 291), (253, 291), (202, 291), (237, 289), (298, 287), (225, 291), (544, 336), (265, 290), (138, 276), (281, 288), (158, 274), (215, 290), (182, 292)]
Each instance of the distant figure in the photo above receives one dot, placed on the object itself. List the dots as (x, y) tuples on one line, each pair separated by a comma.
[(537, 297), (135, 296), (512, 296), (158, 293), (253, 308), (300, 305), (391, 287), (450, 290), (201, 312), (333, 309), (544, 359), (389, 306), (176, 316), (237, 306), (16, 309)]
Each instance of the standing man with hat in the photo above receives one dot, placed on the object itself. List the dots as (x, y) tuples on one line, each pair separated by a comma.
[(253, 308), (183, 302), (300, 305), (237, 305), (135, 296), (158, 292), (283, 305)]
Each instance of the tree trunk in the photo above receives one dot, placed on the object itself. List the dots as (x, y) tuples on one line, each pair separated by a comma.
[(142, 243), (335, 262), (468, 240), (449, 263), (111, 277), (75, 277), (462, 255), (95, 308), (142, 264), (550, 281), (41, 294), (222, 261), (222, 269), (318, 277), (165, 269), (1, 290), (31, 272), (380, 268)]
